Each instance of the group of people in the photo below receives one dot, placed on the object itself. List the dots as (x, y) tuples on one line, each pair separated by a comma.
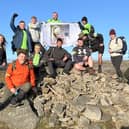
[(21, 74)]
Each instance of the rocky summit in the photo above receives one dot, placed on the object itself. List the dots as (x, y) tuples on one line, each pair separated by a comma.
[(75, 101)]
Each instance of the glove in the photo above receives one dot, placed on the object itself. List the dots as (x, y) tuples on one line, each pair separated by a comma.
[(15, 15), (81, 26), (79, 22)]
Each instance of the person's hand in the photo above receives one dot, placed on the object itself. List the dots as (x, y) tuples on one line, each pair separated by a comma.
[(85, 58), (15, 15), (90, 50), (101, 44), (79, 22), (3, 64), (13, 90), (51, 59), (65, 58), (110, 51), (81, 63)]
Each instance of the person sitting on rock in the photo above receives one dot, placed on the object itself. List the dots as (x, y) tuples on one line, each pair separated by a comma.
[(20, 78), (82, 57), (96, 43), (58, 57), (37, 59)]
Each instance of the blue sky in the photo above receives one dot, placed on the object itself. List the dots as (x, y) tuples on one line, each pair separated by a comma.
[(103, 15)]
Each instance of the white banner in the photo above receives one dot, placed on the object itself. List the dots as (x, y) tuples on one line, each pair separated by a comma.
[(67, 31)]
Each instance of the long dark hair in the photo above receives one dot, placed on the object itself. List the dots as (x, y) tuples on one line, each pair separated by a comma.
[(4, 40)]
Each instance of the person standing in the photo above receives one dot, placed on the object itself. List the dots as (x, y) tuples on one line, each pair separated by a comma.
[(34, 27), (54, 18), (115, 47), (3, 57), (94, 41), (86, 28), (22, 37)]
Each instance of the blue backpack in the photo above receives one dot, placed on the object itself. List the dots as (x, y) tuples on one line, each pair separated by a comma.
[(124, 48)]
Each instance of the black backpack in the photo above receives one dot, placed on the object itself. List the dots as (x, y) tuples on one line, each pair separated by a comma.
[(124, 48)]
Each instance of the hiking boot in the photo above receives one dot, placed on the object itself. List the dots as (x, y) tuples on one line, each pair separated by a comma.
[(51, 76), (86, 70), (99, 69), (1, 85), (16, 104), (1, 106), (122, 80), (91, 71), (65, 73), (14, 100)]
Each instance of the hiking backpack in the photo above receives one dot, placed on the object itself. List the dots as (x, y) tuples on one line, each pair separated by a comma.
[(124, 48), (30, 66)]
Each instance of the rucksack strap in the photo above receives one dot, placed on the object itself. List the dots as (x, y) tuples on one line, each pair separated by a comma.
[(14, 65), (29, 64)]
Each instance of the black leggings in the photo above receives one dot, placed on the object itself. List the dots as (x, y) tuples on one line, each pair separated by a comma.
[(116, 61)]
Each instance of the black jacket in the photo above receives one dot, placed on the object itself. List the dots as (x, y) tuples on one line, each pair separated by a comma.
[(3, 57), (56, 53)]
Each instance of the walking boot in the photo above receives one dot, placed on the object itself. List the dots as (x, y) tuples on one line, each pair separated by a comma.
[(99, 69)]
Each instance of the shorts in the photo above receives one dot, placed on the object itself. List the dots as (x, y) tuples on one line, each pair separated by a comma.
[(100, 49)]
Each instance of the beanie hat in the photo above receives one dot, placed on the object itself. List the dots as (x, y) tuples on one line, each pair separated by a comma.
[(112, 32), (84, 19)]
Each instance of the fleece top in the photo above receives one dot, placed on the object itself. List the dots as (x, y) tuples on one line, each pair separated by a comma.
[(19, 75)]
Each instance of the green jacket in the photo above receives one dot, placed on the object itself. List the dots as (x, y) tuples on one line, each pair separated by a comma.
[(87, 28), (53, 21)]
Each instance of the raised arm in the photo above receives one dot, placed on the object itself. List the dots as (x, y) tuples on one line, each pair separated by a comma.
[(13, 27)]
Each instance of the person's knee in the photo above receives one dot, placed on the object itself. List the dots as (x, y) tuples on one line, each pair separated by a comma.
[(26, 87)]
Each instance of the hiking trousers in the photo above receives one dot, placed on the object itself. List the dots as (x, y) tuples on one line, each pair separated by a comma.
[(8, 94), (52, 65), (116, 61)]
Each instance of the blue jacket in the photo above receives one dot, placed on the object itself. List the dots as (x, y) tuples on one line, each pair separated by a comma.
[(18, 36)]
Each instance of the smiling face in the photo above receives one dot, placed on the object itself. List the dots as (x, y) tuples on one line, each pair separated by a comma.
[(22, 25), (21, 58)]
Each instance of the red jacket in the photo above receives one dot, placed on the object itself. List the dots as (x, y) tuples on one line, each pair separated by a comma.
[(20, 75)]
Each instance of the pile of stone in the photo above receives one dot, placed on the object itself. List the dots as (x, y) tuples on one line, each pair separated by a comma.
[(75, 101), (83, 101)]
